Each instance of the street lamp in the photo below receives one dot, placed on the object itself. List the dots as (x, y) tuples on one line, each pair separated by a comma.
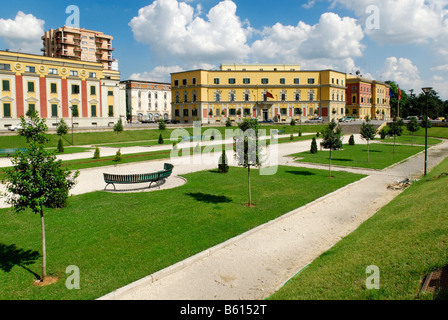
[(72, 108), (427, 91)]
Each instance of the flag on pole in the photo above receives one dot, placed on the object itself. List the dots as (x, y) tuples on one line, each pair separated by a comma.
[(399, 93), (269, 95)]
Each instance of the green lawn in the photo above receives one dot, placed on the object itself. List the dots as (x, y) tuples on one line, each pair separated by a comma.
[(116, 239), (407, 239), (408, 139), (381, 155)]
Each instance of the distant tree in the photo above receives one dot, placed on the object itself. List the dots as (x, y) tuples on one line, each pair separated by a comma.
[(62, 128), (351, 140), (96, 154), (368, 133), (412, 127), (332, 139), (160, 139), (37, 179), (395, 129), (248, 153), (162, 124), (313, 149), (118, 156), (293, 122), (118, 127), (228, 122)]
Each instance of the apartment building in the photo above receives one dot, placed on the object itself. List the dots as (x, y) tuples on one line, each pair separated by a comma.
[(79, 44), (79, 91), (147, 101), (263, 91)]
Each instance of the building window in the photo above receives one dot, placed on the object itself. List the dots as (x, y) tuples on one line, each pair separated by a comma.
[(92, 74), (7, 110), (194, 81), (4, 66), (5, 85), (177, 97), (194, 112), (311, 81), (31, 108), (282, 81), (283, 96), (176, 83), (111, 111), (52, 71), (73, 73), (297, 96), (297, 111), (217, 112), (216, 81), (185, 96), (296, 81), (232, 112), (93, 110), (283, 111), (184, 82), (110, 93), (93, 90), (246, 80), (185, 112), (176, 112), (30, 69), (232, 81), (194, 96), (246, 97), (264, 80), (217, 96), (75, 89), (30, 86), (354, 99), (54, 110), (53, 88), (75, 112)]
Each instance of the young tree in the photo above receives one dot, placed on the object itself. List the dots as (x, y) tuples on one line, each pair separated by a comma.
[(37, 179), (96, 154), (395, 129), (313, 149), (368, 133), (332, 139), (60, 146), (118, 127), (118, 156), (223, 166), (351, 140), (62, 128), (248, 153), (160, 139), (162, 124), (412, 127)]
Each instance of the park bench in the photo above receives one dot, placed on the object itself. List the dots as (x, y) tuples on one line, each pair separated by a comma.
[(9, 152), (155, 177)]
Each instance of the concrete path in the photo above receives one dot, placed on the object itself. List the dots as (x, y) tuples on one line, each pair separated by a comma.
[(254, 265)]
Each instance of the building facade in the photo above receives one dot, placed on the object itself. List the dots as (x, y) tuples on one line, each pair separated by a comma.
[(367, 98), (55, 87), (147, 101), (264, 92), (79, 44)]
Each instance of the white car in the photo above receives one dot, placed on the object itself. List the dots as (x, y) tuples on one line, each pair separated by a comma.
[(15, 128)]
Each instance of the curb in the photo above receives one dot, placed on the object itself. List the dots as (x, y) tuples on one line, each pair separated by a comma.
[(130, 288)]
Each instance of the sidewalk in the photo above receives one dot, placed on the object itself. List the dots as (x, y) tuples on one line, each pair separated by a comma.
[(254, 265)]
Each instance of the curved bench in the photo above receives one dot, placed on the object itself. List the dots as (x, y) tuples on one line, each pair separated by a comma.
[(155, 177)]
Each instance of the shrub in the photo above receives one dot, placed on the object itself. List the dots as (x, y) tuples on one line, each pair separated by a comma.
[(96, 155), (317, 134), (293, 122), (291, 137), (160, 139), (223, 167), (351, 141), (212, 137), (118, 156), (60, 146), (313, 149), (174, 145), (383, 133), (228, 122), (162, 125)]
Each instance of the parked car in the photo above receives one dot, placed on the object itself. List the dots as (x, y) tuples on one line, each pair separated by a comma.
[(15, 128), (441, 119), (346, 119), (410, 117), (315, 119)]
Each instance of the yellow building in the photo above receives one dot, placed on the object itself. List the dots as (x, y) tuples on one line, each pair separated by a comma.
[(380, 100), (263, 91), (54, 86)]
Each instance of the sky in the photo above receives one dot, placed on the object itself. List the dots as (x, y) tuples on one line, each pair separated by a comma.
[(405, 41)]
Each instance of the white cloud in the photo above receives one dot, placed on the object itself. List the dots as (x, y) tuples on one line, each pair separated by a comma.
[(402, 71), (401, 21), (23, 33), (158, 74), (173, 30)]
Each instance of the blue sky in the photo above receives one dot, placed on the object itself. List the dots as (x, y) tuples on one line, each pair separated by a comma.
[(153, 38)]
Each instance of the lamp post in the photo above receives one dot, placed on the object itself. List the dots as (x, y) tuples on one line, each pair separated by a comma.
[(427, 91), (72, 108)]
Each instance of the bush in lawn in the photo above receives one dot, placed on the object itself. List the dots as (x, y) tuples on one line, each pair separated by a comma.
[(313, 149), (383, 133), (223, 167), (162, 125), (118, 156), (160, 139), (351, 141), (317, 134), (60, 146), (291, 137), (212, 137), (228, 122), (96, 155), (174, 145), (293, 122)]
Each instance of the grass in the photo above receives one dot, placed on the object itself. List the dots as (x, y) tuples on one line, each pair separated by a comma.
[(407, 139), (381, 155), (406, 239), (116, 239)]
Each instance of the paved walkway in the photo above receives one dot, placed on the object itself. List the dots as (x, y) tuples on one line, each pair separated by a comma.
[(254, 265)]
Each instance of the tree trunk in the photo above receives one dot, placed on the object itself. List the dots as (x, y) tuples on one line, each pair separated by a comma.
[(368, 154), (44, 254), (248, 180), (330, 165), (394, 144)]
